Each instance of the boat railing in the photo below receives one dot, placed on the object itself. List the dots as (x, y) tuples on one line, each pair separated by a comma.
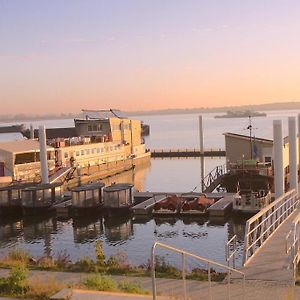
[(184, 254), (230, 251), (292, 245), (261, 226)]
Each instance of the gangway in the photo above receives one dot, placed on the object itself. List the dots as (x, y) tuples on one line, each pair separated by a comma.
[(63, 174), (213, 179)]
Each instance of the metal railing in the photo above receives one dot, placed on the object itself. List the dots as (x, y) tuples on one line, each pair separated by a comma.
[(211, 177), (230, 251), (184, 253), (261, 226), (294, 247)]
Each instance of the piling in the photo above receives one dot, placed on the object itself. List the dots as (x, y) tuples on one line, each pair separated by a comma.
[(293, 154), (278, 158), (43, 154)]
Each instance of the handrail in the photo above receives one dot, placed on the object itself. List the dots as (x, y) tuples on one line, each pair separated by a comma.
[(294, 248), (261, 226), (184, 254), (209, 179), (229, 255)]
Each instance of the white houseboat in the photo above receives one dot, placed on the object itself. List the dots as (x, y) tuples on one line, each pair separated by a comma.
[(98, 145)]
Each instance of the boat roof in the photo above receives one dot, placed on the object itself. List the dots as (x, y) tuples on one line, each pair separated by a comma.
[(246, 137), (43, 186), (22, 146), (118, 187), (88, 187)]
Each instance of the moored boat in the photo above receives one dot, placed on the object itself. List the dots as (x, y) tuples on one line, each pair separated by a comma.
[(169, 206), (250, 202), (196, 206)]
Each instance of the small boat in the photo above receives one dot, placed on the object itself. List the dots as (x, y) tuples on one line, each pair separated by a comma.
[(169, 206), (251, 202), (241, 114), (196, 206)]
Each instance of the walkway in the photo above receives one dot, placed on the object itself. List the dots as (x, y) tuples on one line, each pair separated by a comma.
[(271, 262), (173, 289)]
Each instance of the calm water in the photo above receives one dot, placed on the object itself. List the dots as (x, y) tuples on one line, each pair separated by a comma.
[(48, 236)]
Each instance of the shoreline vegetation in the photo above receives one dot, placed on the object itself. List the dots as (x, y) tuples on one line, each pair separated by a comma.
[(264, 107), (98, 270)]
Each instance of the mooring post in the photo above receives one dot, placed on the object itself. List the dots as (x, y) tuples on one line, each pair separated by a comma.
[(278, 158), (293, 154), (201, 152), (31, 132), (43, 154)]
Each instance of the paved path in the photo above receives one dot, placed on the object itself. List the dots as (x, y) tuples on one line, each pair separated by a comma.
[(173, 289), (271, 262)]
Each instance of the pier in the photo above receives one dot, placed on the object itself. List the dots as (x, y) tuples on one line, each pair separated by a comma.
[(222, 207), (185, 152)]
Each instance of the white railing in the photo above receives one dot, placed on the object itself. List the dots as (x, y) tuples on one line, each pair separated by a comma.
[(209, 263), (230, 251), (261, 226), (294, 247)]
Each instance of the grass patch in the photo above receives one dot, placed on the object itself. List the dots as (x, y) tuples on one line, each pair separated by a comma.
[(43, 290), (100, 283), (132, 288)]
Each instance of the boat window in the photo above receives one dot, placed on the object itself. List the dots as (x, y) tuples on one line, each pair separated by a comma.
[(90, 128), (66, 154), (92, 151), (87, 151), (82, 152), (99, 127), (77, 153), (94, 127), (98, 150)]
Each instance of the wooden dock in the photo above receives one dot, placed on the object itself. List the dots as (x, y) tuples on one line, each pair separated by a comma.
[(187, 153), (222, 207), (145, 207)]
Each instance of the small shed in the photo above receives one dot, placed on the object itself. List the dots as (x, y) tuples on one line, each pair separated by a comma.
[(41, 195), (88, 195), (118, 195)]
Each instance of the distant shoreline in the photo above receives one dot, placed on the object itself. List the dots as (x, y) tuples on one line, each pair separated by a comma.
[(259, 107)]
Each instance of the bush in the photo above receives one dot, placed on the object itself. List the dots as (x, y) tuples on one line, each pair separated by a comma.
[(46, 263), (85, 264), (132, 288), (100, 283), (19, 255), (63, 259), (15, 283), (100, 256)]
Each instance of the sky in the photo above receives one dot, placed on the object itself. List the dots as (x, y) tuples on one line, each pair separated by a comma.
[(61, 56)]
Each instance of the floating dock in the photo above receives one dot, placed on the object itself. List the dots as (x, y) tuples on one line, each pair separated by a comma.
[(222, 207), (187, 153), (145, 207)]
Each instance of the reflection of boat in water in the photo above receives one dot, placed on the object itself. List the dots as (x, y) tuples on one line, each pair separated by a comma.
[(250, 202), (118, 229), (241, 114), (87, 229)]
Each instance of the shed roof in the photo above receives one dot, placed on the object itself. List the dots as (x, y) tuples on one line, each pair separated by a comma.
[(246, 137), (22, 146)]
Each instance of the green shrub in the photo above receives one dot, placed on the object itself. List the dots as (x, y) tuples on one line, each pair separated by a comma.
[(15, 283), (100, 283), (85, 264), (132, 288), (100, 256), (46, 263)]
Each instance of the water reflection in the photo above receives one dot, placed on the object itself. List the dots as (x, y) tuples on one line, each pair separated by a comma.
[(118, 230), (87, 229)]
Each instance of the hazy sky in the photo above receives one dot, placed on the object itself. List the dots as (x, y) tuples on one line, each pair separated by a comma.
[(61, 56)]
